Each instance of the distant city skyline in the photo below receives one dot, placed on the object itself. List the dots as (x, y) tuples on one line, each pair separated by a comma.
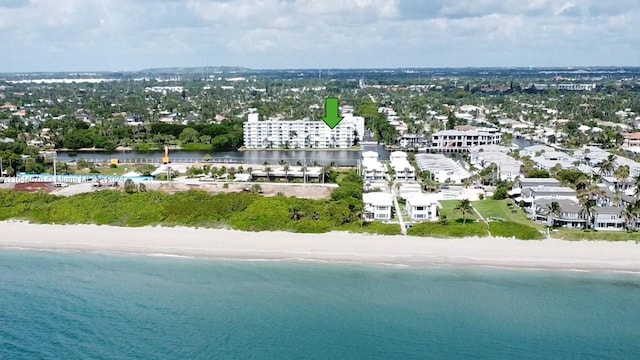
[(129, 35)]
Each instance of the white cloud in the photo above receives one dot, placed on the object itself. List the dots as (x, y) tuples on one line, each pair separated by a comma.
[(131, 34)]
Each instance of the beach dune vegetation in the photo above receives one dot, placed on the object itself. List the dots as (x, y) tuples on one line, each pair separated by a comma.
[(241, 211)]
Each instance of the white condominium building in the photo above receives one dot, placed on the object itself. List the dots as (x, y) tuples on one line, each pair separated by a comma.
[(302, 134), (459, 141)]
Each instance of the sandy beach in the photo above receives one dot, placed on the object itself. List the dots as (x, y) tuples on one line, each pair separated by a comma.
[(332, 247)]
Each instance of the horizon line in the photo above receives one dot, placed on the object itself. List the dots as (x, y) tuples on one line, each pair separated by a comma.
[(530, 67)]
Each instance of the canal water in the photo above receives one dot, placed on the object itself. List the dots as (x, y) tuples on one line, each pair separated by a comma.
[(322, 157)]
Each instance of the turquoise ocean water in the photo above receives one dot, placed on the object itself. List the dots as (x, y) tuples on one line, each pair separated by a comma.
[(90, 306)]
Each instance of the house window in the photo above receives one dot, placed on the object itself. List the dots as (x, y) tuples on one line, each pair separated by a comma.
[(419, 208)]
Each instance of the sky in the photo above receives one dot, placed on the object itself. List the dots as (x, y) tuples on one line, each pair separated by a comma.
[(123, 35)]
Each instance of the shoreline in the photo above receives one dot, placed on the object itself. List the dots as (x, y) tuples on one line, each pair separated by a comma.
[(335, 247), (243, 149)]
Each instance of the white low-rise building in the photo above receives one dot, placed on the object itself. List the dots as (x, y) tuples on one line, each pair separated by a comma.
[(442, 168), (372, 169), (460, 141), (377, 206), (421, 206), (403, 170), (484, 156), (302, 134)]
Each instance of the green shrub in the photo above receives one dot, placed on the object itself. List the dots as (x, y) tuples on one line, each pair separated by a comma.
[(457, 230), (373, 228), (509, 229), (242, 211)]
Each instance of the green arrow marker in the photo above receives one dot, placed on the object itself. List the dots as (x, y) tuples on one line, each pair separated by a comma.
[(332, 115)]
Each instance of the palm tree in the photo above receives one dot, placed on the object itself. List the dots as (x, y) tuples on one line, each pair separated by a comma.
[(295, 213), (591, 192), (231, 171), (629, 216), (607, 166), (554, 209), (582, 183), (617, 198), (587, 211), (635, 211), (637, 186), (622, 174), (464, 207)]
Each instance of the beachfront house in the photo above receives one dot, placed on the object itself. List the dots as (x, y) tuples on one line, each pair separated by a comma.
[(532, 196), (377, 206), (609, 218), (568, 216), (421, 206)]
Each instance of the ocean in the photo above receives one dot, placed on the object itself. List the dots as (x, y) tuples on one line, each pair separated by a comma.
[(97, 306)]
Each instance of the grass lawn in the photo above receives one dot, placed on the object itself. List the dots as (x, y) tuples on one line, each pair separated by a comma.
[(578, 235), (453, 216), (195, 146), (454, 227), (500, 209), (451, 230)]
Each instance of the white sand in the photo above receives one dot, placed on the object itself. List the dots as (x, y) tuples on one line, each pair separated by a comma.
[(333, 247)]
